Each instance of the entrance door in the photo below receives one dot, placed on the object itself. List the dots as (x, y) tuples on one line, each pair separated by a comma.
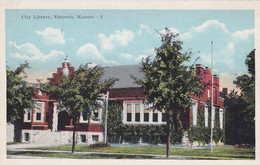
[(63, 120)]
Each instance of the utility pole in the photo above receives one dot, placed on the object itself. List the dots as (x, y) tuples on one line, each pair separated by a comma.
[(212, 115), (106, 113)]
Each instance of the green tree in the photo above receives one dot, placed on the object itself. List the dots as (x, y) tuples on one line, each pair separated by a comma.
[(114, 121), (19, 97), (240, 110), (235, 125), (168, 83), (80, 92)]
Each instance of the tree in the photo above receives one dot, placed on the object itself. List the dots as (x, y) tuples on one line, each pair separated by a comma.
[(168, 83), (19, 97), (80, 92), (114, 125), (240, 110)]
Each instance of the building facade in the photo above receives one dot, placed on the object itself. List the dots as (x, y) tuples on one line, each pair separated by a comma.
[(48, 123)]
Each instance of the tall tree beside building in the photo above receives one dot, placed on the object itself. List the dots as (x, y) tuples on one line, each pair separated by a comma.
[(80, 92), (240, 110), (168, 82), (19, 97)]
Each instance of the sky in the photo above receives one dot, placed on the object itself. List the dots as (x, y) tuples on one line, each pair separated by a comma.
[(123, 37)]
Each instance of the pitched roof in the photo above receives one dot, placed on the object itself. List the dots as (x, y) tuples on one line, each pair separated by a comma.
[(123, 73)]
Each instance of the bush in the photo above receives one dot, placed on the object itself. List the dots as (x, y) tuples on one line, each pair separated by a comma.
[(99, 145), (244, 146)]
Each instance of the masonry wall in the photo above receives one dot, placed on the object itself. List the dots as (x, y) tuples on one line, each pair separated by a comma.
[(9, 132)]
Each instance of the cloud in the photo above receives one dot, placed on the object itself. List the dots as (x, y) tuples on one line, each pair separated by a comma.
[(52, 36), (90, 52), (127, 56), (243, 35), (230, 46), (226, 81), (121, 38), (30, 52), (140, 57), (208, 24), (143, 27), (203, 28)]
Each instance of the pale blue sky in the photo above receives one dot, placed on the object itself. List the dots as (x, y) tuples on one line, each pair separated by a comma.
[(123, 37)]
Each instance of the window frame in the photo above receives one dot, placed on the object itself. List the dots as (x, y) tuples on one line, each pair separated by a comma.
[(28, 112), (42, 111)]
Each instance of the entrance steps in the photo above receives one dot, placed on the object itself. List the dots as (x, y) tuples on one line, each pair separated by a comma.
[(185, 140)]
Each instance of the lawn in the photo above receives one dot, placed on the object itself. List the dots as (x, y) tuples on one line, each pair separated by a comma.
[(220, 152), (11, 143), (69, 155)]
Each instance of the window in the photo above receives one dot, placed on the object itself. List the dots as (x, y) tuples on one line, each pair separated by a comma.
[(84, 116), (146, 117), (95, 138), (96, 115), (26, 137), (38, 116), (164, 119), (39, 112), (129, 112), (146, 113), (155, 117), (83, 138), (27, 115), (137, 112)]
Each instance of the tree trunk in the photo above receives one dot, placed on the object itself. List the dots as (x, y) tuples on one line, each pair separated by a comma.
[(73, 137), (168, 135), (18, 130), (175, 121)]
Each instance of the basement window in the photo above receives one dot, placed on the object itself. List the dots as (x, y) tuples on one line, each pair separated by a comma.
[(83, 138), (26, 136), (95, 138)]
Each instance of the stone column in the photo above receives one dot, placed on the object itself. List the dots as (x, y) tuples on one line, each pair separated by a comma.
[(194, 113), (55, 118), (206, 113)]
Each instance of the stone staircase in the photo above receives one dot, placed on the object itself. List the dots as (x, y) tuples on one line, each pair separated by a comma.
[(185, 140)]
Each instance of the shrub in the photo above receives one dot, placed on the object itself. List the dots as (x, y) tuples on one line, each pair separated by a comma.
[(99, 145)]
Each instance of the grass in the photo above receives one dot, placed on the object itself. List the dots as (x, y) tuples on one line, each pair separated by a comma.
[(218, 152), (73, 156), (10, 143)]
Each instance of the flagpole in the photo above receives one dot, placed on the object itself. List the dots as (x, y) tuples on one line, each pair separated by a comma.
[(106, 113), (212, 115)]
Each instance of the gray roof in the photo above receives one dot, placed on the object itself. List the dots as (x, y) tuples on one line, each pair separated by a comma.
[(123, 73)]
